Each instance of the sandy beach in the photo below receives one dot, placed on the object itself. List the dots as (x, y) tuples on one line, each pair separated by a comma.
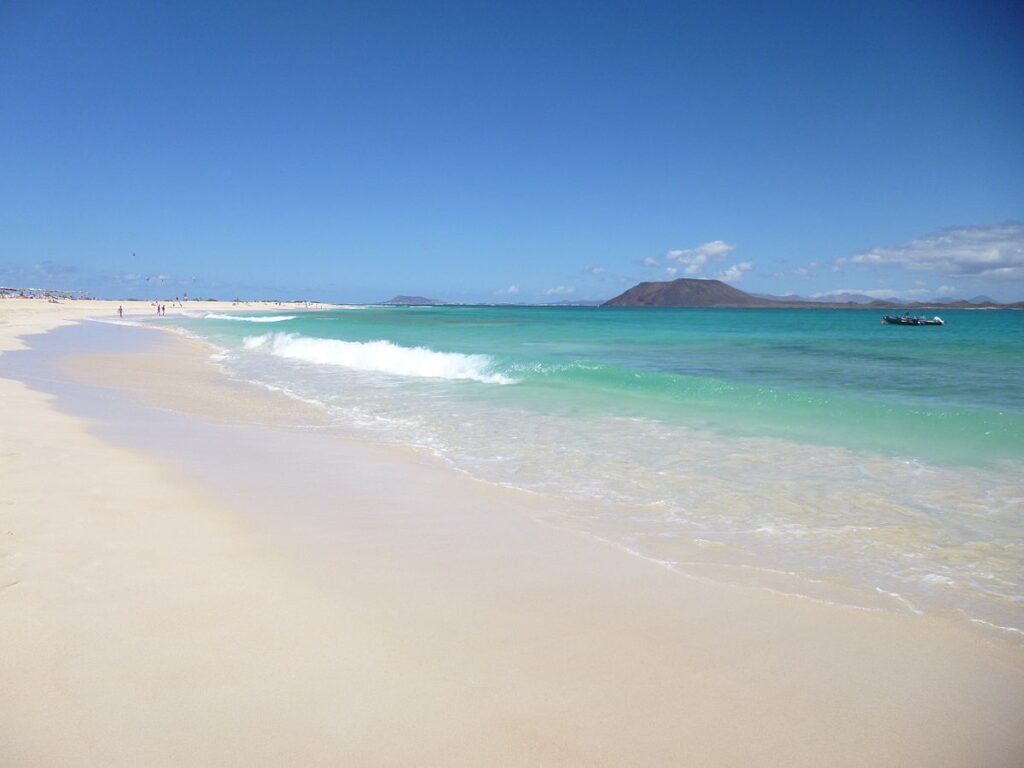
[(194, 572)]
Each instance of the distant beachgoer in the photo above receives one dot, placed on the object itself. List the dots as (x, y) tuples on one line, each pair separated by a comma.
[(120, 311)]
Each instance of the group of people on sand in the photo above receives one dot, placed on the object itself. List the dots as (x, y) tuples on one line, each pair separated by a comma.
[(161, 309)]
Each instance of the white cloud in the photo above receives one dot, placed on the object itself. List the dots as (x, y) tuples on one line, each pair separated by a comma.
[(945, 290), (671, 270), (649, 262), (735, 273), (993, 252), (53, 270), (596, 270), (695, 259), (802, 272), (561, 290), (512, 290)]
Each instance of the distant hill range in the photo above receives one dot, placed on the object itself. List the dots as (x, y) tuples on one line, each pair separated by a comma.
[(845, 297), (692, 292), (413, 301)]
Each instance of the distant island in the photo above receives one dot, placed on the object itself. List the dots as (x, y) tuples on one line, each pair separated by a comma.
[(413, 301), (694, 292)]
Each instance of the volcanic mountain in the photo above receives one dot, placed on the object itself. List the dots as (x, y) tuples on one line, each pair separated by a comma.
[(688, 292), (693, 292)]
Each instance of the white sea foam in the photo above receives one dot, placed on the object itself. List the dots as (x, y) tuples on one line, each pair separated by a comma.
[(381, 356), (110, 321), (249, 318)]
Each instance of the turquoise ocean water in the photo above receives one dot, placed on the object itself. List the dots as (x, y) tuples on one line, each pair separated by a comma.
[(816, 452)]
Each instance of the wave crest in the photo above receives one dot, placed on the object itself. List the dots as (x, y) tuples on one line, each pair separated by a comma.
[(249, 318), (380, 356)]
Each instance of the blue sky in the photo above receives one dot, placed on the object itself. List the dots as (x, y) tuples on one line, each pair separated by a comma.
[(521, 151)]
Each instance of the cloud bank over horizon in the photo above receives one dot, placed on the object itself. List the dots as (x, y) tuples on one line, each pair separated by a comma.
[(956, 262), (994, 252)]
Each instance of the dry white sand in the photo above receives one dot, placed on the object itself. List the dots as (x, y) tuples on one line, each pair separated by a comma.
[(150, 617)]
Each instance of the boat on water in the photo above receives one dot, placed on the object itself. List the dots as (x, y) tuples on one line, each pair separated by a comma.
[(906, 319)]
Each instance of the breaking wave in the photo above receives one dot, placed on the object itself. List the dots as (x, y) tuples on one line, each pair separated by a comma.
[(249, 318), (380, 356)]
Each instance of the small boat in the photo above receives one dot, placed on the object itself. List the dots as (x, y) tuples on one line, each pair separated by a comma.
[(906, 319)]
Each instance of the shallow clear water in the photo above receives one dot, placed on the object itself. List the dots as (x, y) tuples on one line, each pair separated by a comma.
[(814, 451)]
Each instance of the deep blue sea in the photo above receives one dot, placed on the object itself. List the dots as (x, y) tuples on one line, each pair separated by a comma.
[(817, 452)]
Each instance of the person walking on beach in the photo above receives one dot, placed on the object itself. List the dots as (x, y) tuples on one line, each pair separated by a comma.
[(120, 311)]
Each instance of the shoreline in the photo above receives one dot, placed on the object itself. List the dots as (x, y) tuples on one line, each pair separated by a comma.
[(857, 512), (160, 375), (432, 610)]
